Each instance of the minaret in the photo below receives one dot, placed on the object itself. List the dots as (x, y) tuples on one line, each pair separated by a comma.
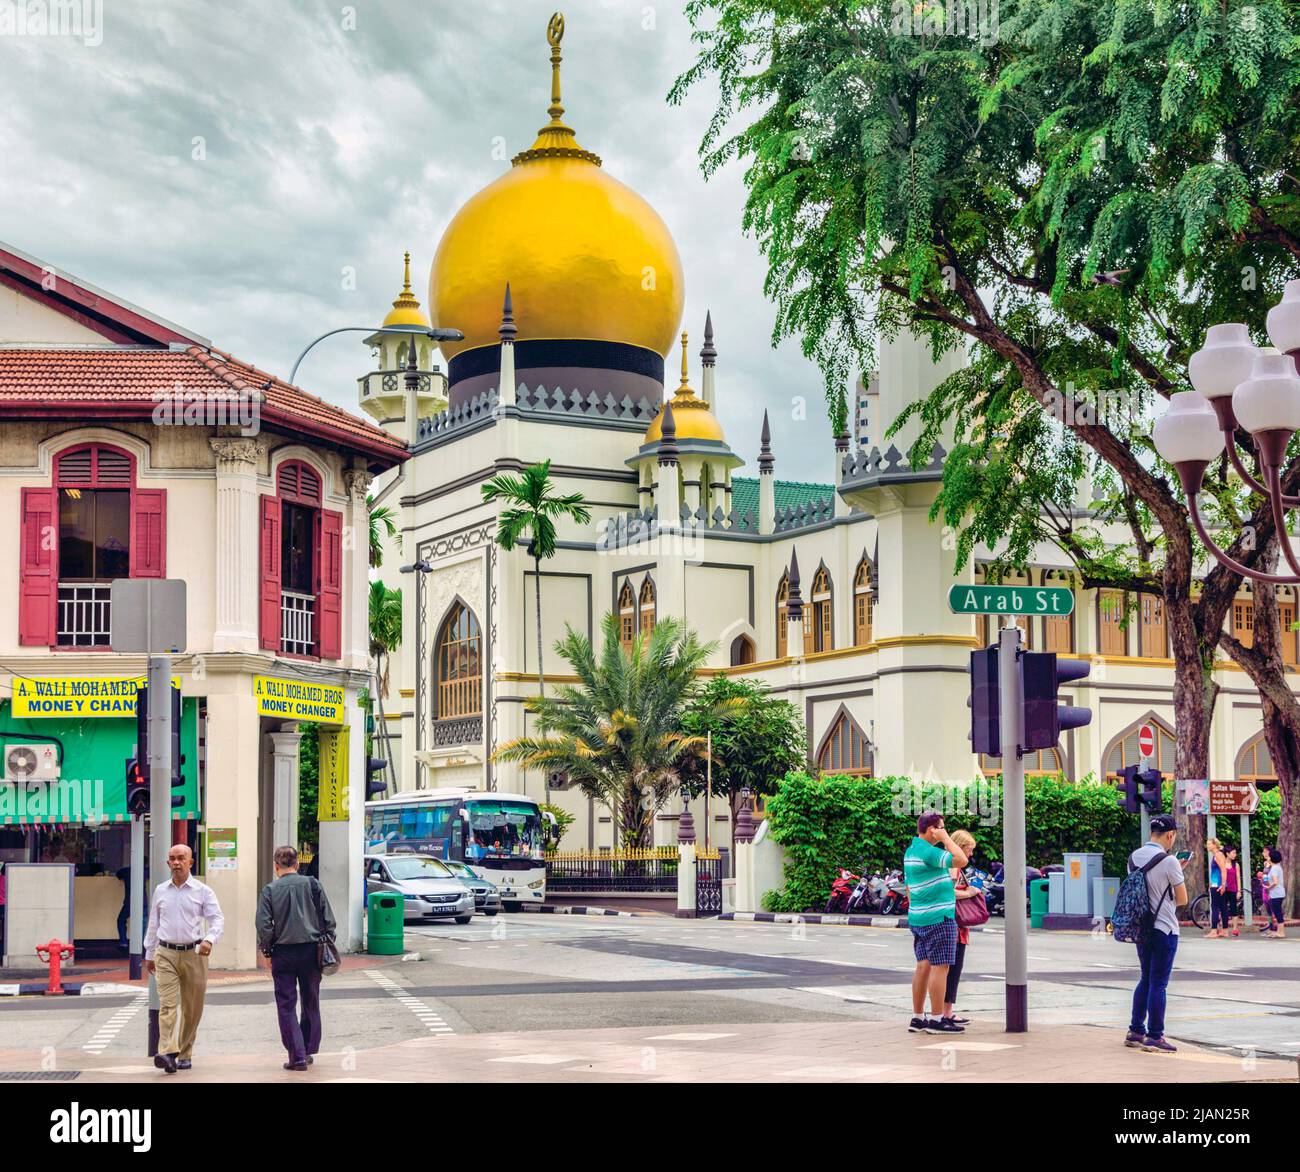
[(766, 481), (709, 359), (411, 383), (506, 389), (794, 611), (842, 507), (668, 498)]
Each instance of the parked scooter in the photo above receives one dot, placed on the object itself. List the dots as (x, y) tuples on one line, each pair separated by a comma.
[(860, 901), (895, 901), (841, 890)]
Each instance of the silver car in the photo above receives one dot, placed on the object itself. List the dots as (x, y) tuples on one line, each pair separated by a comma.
[(429, 889), (487, 899)]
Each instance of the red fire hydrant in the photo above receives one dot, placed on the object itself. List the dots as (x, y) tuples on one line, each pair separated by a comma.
[(54, 954)]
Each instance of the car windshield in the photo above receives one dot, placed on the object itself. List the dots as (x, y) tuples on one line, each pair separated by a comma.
[(505, 828), (462, 870), (418, 869)]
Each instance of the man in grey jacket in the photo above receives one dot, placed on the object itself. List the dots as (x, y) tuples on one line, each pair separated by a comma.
[(293, 915)]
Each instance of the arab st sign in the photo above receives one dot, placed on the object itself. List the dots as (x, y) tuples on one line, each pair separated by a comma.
[(1055, 601)]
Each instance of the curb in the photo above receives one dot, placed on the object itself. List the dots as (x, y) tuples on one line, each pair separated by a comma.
[(548, 909), (815, 918)]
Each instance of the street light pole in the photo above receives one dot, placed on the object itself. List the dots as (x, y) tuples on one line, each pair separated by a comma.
[(1016, 940), (438, 335)]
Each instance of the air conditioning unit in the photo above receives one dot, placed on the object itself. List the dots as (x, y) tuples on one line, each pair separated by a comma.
[(27, 763)]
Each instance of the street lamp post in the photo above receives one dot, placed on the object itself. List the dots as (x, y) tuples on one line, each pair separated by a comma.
[(420, 568), (438, 335), (1240, 385)]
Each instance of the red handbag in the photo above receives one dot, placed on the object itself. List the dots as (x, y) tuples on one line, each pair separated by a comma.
[(972, 912)]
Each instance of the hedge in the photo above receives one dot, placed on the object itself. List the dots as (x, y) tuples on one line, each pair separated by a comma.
[(829, 822)]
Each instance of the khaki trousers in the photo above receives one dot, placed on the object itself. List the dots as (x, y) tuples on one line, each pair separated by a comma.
[(182, 981)]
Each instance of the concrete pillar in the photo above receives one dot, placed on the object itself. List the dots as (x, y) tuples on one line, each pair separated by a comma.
[(686, 862), (356, 571), (284, 779), (343, 843), (237, 543)]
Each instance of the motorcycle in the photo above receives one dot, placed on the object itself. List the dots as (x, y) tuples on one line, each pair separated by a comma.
[(860, 900), (895, 901), (841, 890)]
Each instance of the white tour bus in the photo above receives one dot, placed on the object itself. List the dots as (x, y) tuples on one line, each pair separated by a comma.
[(499, 834)]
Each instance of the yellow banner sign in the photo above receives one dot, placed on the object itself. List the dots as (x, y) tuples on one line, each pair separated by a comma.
[(332, 792), (296, 700), (100, 696)]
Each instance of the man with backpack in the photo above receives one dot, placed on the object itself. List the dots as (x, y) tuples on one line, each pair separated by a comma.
[(1146, 915)]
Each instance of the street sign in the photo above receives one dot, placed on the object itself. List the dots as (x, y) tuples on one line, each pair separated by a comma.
[(1147, 741), (1233, 797), (147, 615), (1030, 600)]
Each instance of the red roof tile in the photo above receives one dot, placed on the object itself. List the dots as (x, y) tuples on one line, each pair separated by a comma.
[(97, 381)]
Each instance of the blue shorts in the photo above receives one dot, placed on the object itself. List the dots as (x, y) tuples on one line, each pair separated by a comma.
[(936, 943)]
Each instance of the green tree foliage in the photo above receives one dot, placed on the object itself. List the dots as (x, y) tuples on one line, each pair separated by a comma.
[(383, 524), (618, 732), (308, 785), (563, 820)]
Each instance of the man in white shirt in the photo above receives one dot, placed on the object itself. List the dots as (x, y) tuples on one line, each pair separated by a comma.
[(185, 921), (1166, 892)]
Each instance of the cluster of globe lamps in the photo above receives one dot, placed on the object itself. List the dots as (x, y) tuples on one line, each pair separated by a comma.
[(1238, 384)]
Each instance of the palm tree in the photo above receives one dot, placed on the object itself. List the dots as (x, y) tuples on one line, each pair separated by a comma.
[(385, 629), (531, 512), (618, 733), (383, 523)]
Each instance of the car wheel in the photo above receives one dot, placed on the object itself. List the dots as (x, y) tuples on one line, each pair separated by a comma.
[(493, 912), (463, 919)]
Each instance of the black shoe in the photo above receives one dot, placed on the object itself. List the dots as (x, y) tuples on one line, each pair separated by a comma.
[(183, 1064), (961, 1021), (943, 1025), (916, 1026), (310, 1059), (165, 1062), (295, 1066)]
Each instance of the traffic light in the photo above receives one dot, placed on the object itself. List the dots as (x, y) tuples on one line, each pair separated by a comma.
[(984, 703), (1045, 717), (142, 741), (1150, 790), (137, 789), (1128, 788), (375, 786)]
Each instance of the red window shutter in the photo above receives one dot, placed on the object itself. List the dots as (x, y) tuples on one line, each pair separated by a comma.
[(270, 573), (149, 533), (329, 596), (38, 571)]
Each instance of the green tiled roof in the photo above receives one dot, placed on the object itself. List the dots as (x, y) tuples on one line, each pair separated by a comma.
[(744, 493)]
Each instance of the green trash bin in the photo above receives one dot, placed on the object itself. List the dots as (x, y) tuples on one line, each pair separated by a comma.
[(1037, 902), (385, 912)]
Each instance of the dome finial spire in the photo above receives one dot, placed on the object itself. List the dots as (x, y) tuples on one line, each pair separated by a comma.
[(554, 35), (685, 376), (555, 140), (406, 279)]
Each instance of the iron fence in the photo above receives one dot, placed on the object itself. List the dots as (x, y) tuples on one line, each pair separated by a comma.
[(636, 871)]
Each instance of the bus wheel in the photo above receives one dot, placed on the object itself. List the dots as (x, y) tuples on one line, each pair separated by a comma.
[(512, 905)]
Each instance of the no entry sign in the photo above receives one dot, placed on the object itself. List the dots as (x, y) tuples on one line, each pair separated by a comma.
[(1147, 741), (1233, 797)]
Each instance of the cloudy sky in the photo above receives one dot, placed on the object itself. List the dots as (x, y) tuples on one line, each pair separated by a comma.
[(331, 137)]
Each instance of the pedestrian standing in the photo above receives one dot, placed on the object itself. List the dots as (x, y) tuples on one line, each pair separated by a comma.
[(931, 915), (124, 912), (1166, 892), (185, 921), (962, 890), (1218, 890), (293, 917), (1275, 891), (1232, 890)]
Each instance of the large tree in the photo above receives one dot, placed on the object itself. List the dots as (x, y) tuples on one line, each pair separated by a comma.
[(1073, 199)]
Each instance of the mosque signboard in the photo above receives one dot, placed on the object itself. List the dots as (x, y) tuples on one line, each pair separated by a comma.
[(1053, 601)]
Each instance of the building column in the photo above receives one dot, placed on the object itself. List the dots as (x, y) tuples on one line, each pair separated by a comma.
[(342, 844), (284, 779), (238, 543), (356, 571)]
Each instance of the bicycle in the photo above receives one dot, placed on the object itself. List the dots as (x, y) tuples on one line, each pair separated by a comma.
[(1200, 911)]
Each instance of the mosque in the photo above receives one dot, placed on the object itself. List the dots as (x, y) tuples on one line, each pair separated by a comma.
[(569, 291)]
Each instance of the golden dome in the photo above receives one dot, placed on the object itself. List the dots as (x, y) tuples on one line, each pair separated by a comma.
[(586, 257), (406, 309), (691, 415)]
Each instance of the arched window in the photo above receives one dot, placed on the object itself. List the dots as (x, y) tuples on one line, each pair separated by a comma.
[(1254, 762), (1152, 641), (626, 617), (1123, 750), (821, 612), (845, 748), (647, 606), (742, 650), (1043, 762), (782, 619), (1112, 635), (1058, 630), (296, 480), (862, 604), (459, 660)]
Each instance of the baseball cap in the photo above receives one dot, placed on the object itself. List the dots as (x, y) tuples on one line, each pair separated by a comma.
[(1163, 824)]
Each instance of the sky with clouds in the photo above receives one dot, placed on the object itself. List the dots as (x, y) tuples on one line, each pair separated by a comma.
[(333, 137)]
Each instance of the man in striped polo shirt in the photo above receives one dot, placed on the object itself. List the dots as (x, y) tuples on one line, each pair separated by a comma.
[(932, 916)]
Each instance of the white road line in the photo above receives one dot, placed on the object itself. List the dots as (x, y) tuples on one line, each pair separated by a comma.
[(116, 1024), (429, 1017)]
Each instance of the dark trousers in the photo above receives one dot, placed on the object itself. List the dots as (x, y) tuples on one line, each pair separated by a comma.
[(954, 975), (296, 974), (122, 917), (1156, 956), (1218, 909)]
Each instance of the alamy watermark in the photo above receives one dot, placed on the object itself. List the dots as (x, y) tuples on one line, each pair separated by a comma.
[(82, 19), (977, 801), (974, 19), (185, 407)]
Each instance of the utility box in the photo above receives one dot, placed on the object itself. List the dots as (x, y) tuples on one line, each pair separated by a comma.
[(1104, 891), (38, 899), (1056, 893), (1080, 870)]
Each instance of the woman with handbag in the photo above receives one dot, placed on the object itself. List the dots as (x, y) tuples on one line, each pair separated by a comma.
[(295, 928), (971, 911)]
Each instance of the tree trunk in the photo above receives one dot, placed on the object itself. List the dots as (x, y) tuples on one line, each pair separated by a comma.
[(634, 818), (1194, 695), (541, 675)]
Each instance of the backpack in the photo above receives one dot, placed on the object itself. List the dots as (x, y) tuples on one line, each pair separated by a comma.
[(1133, 917)]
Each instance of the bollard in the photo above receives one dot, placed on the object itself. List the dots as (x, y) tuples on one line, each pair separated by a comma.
[(54, 953)]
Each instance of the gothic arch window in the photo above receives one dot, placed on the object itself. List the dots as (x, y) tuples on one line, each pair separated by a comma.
[(1254, 762), (647, 603), (863, 604), (626, 617), (458, 660), (1123, 749), (742, 650), (782, 617), (821, 612), (845, 749), (1043, 762)]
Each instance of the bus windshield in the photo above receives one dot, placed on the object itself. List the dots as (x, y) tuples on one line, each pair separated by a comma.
[(504, 828)]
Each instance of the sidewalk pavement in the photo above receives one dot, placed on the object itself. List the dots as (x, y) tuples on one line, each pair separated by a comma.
[(792, 1052)]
